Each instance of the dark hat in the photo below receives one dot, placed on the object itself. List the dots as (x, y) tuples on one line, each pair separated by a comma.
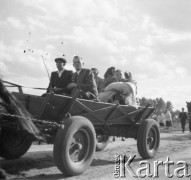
[(61, 59)]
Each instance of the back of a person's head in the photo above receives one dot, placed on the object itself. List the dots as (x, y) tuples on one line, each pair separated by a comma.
[(77, 57), (95, 71), (128, 75)]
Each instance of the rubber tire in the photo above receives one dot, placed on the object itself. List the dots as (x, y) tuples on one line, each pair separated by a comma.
[(101, 145), (18, 144), (143, 149), (62, 142)]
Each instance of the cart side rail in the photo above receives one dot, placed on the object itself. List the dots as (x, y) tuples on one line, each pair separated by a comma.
[(107, 113)]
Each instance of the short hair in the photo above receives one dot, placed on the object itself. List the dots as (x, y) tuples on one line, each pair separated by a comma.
[(95, 69), (78, 57)]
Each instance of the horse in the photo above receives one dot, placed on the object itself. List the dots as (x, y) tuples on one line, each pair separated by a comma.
[(119, 92), (189, 114), (188, 106), (12, 106), (11, 110)]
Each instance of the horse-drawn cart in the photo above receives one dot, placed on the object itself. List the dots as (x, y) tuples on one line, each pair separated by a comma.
[(78, 127)]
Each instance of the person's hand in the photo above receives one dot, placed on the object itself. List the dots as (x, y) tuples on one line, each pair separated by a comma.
[(88, 94), (51, 90), (72, 85)]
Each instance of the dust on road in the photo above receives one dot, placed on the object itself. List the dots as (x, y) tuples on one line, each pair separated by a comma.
[(38, 162)]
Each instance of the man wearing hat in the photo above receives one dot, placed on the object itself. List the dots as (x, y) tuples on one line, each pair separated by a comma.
[(83, 85), (60, 79)]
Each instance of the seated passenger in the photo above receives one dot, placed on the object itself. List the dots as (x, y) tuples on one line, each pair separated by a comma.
[(83, 85), (118, 75), (60, 79), (108, 78), (129, 78), (97, 78)]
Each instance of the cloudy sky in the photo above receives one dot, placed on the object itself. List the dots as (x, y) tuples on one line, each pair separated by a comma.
[(150, 38)]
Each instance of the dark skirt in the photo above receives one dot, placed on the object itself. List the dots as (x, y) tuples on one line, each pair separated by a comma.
[(168, 123), (162, 124)]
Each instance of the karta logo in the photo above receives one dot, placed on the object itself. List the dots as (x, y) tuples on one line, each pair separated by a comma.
[(123, 167)]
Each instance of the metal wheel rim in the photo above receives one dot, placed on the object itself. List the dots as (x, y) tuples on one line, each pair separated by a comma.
[(151, 139), (79, 146)]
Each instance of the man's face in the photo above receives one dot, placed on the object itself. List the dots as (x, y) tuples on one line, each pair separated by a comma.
[(118, 75), (77, 63), (59, 65)]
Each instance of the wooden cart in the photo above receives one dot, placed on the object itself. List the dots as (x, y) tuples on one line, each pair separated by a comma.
[(78, 127)]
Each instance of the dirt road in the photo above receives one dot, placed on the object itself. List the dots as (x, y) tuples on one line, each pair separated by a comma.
[(38, 162)]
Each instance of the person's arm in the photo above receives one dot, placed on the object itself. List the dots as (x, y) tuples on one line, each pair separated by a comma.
[(179, 116), (68, 81), (99, 84), (186, 116), (89, 82)]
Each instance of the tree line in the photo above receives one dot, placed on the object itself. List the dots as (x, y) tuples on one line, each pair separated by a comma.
[(159, 104)]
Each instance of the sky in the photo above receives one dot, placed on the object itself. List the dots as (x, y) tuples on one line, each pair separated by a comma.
[(150, 38)]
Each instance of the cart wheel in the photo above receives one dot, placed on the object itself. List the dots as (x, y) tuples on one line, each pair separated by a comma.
[(74, 146), (102, 140), (13, 144), (148, 138)]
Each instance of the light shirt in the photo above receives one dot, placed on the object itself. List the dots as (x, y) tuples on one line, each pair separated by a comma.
[(78, 72), (168, 116), (60, 72), (161, 118)]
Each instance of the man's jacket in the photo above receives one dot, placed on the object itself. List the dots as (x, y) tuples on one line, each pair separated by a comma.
[(61, 82), (85, 81)]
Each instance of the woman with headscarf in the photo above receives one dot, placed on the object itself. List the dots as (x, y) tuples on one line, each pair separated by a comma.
[(108, 78), (129, 78), (168, 119)]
